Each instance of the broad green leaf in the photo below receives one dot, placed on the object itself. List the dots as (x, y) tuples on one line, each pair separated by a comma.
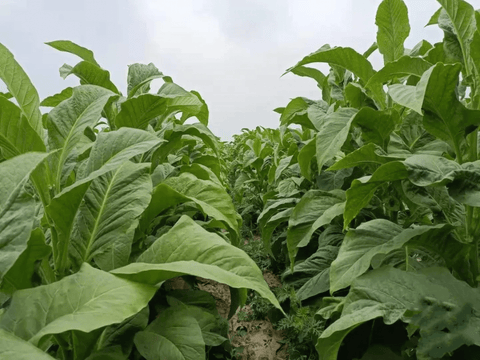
[(388, 292), (405, 66), (361, 191), (316, 269), (367, 154), (426, 170), (67, 123), (376, 125), (282, 166), (461, 17), (181, 100), (85, 301), (20, 86), (420, 49), (393, 29), (122, 334), (445, 116), (174, 335), (434, 19), (16, 135), (466, 187), (211, 198), (108, 215), (139, 78), (137, 112), (411, 96), (333, 134), (20, 274), (312, 73), (371, 239), (17, 208), (271, 225), (342, 56), (91, 74), (56, 99), (15, 348), (315, 209), (189, 249), (296, 112), (72, 48), (109, 152)]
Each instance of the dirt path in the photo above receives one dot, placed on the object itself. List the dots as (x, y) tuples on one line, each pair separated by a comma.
[(258, 338)]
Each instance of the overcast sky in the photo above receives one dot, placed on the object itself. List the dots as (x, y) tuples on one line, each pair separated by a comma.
[(232, 51)]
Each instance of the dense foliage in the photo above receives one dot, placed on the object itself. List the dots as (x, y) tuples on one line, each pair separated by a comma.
[(103, 199), (367, 202), (370, 196)]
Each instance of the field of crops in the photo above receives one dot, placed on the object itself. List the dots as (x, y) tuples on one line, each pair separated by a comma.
[(128, 230)]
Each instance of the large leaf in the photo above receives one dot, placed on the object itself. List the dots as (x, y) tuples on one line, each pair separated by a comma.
[(362, 191), (189, 249), (89, 73), (19, 276), (373, 238), (138, 111), (315, 209), (67, 123), (174, 335), (389, 293), (211, 198), (17, 208), (461, 23), (20, 86), (344, 57), (15, 348), (109, 152), (333, 134), (393, 29), (376, 125), (16, 134), (140, 76), (85, 301), (367, 154), (72, 48), (108, 215)]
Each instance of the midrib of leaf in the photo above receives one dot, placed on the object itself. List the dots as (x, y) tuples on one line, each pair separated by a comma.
[(67, 139), (91, 240)]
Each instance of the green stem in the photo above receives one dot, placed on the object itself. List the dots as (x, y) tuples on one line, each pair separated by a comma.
[(46, 272)]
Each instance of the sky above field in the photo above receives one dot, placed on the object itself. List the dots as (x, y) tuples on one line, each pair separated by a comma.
[(232, 51)]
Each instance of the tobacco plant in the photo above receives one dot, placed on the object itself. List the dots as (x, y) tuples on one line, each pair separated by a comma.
[(387, 238), (103, 198)]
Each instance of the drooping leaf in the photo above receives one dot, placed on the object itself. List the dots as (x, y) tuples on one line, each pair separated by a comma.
[(189, 249), (315, 209), (15, 348), (17, 207), (140, 76), (361, 192), (371, 239), (344, 57), (393, 29), (56, 99), (367, 154), (72, 48), (174, 335), (19, 276), (91, 74), (20, 86), (85, 301), (16, 134)]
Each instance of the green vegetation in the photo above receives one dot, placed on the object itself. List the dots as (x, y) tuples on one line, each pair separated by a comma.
[(367, 203)]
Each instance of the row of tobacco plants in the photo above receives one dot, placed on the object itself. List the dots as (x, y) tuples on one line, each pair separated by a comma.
[(368, 200), (103, 198)]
